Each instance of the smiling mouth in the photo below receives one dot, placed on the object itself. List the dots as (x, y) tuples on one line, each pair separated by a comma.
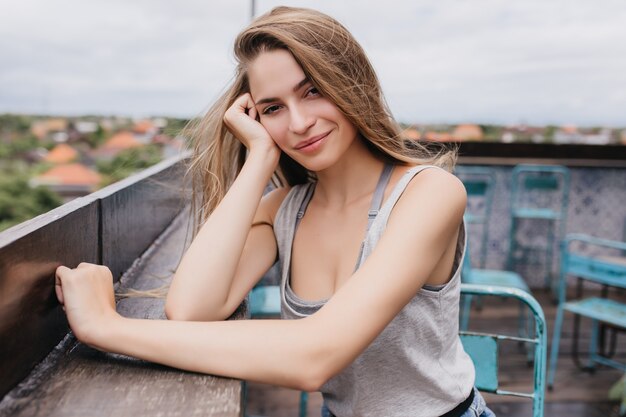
[(311, 141)]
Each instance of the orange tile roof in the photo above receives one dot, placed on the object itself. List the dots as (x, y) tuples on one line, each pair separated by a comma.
[(143, 126), (438, 136), (56, 124), (467, 132), (122, 140), (412, 134), (70, 174), (41, 128), (61, 154)]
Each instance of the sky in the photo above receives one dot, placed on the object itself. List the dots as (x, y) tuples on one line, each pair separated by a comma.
[(439, 61)]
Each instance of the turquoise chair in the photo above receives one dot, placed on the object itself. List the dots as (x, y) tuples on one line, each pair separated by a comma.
[(479, 184), (538, 192), (483, 348), (264, 302), (493, 277), (607, 271)]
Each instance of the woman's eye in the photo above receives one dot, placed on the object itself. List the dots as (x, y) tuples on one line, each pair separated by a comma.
[(312, 92), (270, 109)]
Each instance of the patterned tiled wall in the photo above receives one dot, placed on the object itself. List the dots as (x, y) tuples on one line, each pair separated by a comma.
[(596, 206)]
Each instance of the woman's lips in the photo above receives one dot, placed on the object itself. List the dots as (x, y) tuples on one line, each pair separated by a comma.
[(312, 143)]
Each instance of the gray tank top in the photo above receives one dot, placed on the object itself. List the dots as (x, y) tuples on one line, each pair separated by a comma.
[(416, 366)]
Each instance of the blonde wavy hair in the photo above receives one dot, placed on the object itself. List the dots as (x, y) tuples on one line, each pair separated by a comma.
[(337, 66)]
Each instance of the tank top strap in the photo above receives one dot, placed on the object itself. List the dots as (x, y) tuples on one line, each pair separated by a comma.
[(379, 192), (384, 212), (305, 202)]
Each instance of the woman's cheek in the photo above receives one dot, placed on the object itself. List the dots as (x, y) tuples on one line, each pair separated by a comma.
[(275, 132)]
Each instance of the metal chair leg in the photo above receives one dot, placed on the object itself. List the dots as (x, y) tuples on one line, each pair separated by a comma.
[(304, 399), (554, 352)]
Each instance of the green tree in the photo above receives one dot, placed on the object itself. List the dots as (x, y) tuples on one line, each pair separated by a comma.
[(128, 162), (175, 126), (96, 138), (15, 123), (20, 202), (549, 132)]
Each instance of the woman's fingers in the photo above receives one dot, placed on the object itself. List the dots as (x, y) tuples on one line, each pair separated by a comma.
[(58, 287), (252, 113), (241, 120), (87, 296)]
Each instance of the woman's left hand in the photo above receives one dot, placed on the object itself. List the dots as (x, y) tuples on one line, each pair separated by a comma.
[(86, 294)]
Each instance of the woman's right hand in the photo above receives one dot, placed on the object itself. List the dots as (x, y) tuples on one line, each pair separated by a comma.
[(240, 119), (86, 294)]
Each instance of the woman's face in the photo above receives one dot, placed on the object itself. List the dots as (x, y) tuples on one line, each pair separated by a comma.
[(305, 125)]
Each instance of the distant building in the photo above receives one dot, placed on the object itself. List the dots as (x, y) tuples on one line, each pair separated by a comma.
[(568, 134), (61, 154), (171, 147), (42, 128), (507, 137), (84, 128), (69, 180), (119, 142), (411, 133), (603, 137), (160, 122), (438, 136), (523, 133), (144, 131), (468, 132)]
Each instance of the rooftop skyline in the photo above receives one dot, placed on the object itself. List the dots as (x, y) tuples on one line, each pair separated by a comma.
[(483, 61)]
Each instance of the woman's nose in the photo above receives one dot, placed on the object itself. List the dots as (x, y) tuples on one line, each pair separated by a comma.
[(300, 120)]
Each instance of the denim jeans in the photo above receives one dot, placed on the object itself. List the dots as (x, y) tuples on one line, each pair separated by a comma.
[(478, 408)]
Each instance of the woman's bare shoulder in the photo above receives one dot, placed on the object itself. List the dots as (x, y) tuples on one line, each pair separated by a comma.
[(434, 187), (270, 203)]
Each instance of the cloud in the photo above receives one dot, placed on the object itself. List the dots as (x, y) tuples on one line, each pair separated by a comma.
[(438, 61)]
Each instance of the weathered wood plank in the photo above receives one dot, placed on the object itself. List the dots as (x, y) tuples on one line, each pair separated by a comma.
[(31, 320)]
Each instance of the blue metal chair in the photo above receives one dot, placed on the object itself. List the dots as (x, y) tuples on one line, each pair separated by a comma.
[(493, 277), (608, 271), (479, 183), (264, 302), (483, 348), (538, 192)]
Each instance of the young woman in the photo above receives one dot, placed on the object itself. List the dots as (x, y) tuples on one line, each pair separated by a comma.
[(368, 233)]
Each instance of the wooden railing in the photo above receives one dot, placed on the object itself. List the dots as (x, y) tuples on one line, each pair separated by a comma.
[(113, 227), (571, 155)]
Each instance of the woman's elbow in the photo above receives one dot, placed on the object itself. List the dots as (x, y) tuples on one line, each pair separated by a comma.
[(311, 379), (318, 367), (175, 311)]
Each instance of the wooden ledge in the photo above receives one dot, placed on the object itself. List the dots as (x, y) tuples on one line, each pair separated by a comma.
[(77, 380)]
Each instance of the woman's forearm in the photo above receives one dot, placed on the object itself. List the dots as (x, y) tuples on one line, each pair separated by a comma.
[(203, 278), (268, 351)]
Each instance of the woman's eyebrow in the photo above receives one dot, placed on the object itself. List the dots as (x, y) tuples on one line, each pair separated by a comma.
[(272, 99)]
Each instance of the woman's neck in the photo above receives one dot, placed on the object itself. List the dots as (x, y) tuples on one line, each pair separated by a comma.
[(349, 180)]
